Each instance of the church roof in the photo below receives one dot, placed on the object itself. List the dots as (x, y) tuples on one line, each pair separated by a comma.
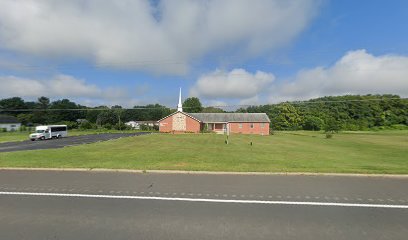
[(230, 117)]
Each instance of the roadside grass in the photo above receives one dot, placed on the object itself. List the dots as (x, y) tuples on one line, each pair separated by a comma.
[(22, 136), (13, 136), (299, 151)]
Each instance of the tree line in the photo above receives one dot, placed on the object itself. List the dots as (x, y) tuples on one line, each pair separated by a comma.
[(333, 113), (43, 112), (350, 112)]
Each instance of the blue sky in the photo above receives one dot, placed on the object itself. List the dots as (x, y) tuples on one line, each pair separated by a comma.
[(224, 52)]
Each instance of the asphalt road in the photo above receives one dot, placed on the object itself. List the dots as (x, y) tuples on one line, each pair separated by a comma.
[(108, 205), (63, 142)]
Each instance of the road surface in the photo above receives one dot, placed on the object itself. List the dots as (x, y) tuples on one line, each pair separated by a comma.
[(109, 205), (63, 142)]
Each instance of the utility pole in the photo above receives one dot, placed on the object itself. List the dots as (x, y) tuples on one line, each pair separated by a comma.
[(120, 126)]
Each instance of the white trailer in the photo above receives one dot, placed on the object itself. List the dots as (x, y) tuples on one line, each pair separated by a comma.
[(49, 132)]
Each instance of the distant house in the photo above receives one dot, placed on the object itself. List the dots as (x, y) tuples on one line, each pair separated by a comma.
[(9, 123), (245, 123), (81, 120), (137, 124)]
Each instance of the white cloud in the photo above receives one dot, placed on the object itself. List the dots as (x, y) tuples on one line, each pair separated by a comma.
[(250, 101), (217, 103), (357, 72), (64, 86), (162, 38), (58, 86), (236, 84)]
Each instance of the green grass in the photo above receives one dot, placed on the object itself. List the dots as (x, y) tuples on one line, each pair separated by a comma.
[(13, 136), (21, 136), (301, 151)]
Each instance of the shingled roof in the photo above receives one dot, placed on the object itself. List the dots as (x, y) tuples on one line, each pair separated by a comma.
[(230, 117), (8, 119)]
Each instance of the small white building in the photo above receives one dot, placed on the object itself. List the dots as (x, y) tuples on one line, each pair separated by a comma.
[(9, 123), (137, 124), (133, 124)]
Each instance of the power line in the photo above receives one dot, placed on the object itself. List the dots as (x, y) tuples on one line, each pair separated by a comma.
[(80, 109), (219, 106)]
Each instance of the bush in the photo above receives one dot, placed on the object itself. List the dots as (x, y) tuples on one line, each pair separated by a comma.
[(23, 128), (399, 127), (145, 127), (392, 127), (121, 126), (86, 125), (107, 126)]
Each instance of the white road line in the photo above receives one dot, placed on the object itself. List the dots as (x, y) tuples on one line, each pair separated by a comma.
[(335, 204)]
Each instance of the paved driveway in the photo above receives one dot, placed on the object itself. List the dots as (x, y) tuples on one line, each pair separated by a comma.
[(63, 142)]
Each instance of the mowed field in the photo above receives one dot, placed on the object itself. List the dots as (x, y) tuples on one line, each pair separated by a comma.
[(347, 152)]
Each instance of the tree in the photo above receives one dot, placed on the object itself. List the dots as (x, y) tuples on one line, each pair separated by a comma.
[(119, 112), (150, 112), (116, 107), (312, 123), (42, 117), (192, 105), (285, 116), (108, 117), (332, 125), (25, 118), (12, 103), (212, 110), (68, 115), (156, 112), (43, 102), (92, 113)]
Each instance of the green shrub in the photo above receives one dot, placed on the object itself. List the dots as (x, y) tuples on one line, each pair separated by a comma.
[(145, 127), (23, 128), (399, 127), (86, 125), (121, 126)]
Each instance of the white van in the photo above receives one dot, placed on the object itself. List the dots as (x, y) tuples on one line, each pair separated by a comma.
[(49, 132)]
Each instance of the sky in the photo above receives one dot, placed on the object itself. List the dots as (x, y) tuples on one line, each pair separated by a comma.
[(225, 52)]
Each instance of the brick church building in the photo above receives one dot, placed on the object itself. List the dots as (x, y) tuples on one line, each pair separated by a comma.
[(224, 123)]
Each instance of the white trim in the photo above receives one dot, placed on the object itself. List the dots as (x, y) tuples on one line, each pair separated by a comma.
[(323, 204)]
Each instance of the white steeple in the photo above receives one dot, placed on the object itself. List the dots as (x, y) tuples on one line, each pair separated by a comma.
[(180, 105)]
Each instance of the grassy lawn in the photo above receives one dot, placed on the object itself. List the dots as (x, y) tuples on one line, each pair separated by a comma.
[(348, 152), (21, 136)]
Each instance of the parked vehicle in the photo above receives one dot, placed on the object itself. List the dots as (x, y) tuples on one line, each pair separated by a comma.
[(49, 132)]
